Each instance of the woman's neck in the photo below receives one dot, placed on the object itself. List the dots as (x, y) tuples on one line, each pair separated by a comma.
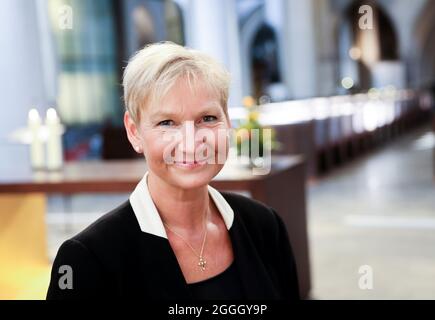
[(181, 209)]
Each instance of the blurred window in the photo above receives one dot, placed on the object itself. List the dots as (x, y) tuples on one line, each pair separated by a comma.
[(84, 33)]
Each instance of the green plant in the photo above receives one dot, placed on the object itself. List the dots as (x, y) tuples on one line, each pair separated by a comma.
[(252, 133)]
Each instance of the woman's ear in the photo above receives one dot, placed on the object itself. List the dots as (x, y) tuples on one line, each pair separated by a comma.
[(132, 132)]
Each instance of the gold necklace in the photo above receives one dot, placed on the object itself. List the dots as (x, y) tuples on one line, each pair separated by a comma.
[(202, 262)]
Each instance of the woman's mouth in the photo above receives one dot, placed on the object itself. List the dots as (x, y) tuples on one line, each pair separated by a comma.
[(190, 164)]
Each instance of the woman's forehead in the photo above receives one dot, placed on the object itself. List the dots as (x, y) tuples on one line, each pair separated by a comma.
[(180, 108), (194, 90), (182, 98)]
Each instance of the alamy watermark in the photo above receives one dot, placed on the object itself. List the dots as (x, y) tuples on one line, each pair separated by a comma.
[(65, 17), (365, 281), (365, 21), (66, 280), (210, 146)]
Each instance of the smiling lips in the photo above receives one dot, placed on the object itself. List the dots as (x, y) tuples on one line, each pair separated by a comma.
[(190, 164)]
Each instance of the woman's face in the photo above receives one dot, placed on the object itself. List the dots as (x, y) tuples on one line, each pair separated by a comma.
[(184, 137)]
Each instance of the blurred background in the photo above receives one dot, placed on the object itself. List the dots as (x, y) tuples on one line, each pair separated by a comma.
[(347, 86)]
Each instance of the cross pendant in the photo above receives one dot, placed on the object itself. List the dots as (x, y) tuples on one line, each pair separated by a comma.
[(202, 263)]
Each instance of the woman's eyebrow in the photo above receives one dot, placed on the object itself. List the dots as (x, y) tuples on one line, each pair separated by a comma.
[(166, 114), (163, 114), (210, 108)]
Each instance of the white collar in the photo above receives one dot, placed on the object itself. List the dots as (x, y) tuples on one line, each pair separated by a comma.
[(149, 219)]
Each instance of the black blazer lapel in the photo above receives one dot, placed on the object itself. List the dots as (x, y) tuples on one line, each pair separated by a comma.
[(163, 274), (255, 278)]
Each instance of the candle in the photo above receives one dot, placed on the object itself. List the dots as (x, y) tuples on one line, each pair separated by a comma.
[(54, 140), (37, 146)]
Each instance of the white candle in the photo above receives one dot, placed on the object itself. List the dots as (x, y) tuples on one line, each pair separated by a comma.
[(54, 140), (37, 145)]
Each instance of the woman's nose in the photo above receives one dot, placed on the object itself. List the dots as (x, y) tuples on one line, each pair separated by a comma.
[(188, 143)]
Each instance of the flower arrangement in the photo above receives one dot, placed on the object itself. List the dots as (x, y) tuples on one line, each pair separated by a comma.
[(251, 133)]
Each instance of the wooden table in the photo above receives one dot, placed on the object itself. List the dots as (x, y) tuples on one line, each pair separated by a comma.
[(23, 194)]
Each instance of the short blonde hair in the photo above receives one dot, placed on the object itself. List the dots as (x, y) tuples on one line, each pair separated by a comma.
[(153, 70)]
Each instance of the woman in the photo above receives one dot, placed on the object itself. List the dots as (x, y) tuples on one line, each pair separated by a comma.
[(177, 237)]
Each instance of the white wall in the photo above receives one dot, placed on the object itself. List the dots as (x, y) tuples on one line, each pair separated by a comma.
[(23, 83)]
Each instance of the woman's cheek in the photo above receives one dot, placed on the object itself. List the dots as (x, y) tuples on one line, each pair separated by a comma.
[(155, 147), (221, 144)]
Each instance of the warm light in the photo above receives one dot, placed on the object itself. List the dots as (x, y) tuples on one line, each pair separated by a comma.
[(33, 116), (347, 82), (51, 116), (355, 53), (347, 109), (248, 101), (358, 121), (373, 93), (370, 116), (320, 108)]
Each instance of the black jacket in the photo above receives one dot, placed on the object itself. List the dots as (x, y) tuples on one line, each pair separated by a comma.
[(113, 258)]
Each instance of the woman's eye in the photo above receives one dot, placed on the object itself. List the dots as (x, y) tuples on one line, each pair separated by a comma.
[(209, 118), (166, 123)]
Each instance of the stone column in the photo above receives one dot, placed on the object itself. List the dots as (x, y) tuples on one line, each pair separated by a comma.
[(212, 27), (300, 47)]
